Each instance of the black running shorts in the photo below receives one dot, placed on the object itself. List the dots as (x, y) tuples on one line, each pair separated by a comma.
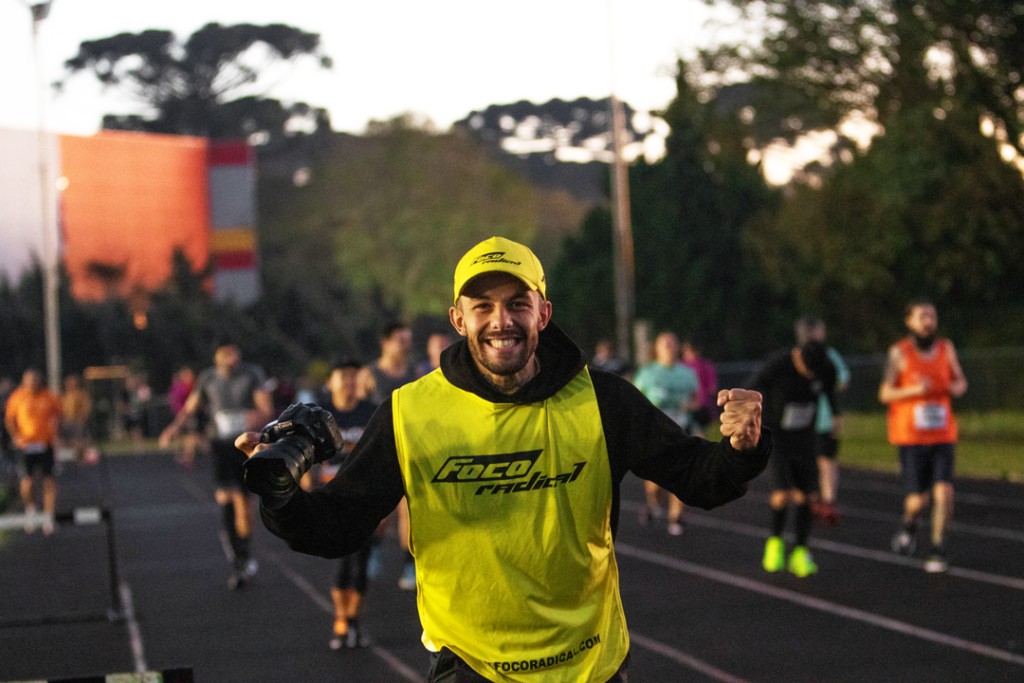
[(922, 466), (30, 463), (228, 472), (827, 446), (793, 461)]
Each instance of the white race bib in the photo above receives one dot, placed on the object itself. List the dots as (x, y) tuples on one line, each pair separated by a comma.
[(796, 416), (230, 423), (352, 434), (930, 416), (37, 447)]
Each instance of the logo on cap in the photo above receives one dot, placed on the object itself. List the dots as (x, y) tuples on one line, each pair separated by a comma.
[(494, 257)]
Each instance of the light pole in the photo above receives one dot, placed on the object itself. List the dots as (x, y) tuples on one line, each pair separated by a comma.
[(51, 251), (622, 232)]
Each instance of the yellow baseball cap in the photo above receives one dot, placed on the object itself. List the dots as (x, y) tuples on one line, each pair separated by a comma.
[(500, 254)]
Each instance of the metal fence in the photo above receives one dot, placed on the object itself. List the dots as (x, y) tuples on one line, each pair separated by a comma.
[(995, 379)]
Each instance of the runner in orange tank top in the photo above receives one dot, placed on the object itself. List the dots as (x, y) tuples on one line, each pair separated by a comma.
[(922, 374)]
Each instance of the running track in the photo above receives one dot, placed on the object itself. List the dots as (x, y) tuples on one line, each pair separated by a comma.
[(699, 607)]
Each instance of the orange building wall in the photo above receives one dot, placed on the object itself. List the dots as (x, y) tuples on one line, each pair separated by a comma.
[(130, 200)]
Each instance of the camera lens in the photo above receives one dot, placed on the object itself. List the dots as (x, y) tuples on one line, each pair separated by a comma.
[(278, 469)]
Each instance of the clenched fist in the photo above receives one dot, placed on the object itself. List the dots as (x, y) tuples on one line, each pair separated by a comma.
[(741, 417)]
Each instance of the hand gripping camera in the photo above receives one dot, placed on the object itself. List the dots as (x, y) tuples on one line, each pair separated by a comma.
[(301, 436)]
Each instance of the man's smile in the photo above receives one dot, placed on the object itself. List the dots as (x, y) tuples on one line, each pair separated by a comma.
[(501, 343)]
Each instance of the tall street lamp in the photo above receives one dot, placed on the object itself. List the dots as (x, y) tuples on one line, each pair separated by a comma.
[(51, 255)]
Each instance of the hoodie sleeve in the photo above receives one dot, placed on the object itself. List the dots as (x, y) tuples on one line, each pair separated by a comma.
[(337, 519), (643, 440)]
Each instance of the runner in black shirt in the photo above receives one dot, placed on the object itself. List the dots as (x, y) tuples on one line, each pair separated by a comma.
[(791, 382), (234, 395), (351, 415)]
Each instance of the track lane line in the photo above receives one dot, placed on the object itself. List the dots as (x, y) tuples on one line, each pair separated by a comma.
[(324, 604), (683, 658), (817, 603), (887, 557), (134, 632), (896, 518)]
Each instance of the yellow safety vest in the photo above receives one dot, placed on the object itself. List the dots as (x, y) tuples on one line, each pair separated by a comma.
[(509, 524)]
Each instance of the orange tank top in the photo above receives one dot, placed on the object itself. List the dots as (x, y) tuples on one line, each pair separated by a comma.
[(927, 419)]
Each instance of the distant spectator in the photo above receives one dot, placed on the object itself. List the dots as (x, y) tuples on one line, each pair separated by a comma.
[(134, 406), (706, 411), (76, 407), (435, 345), (605, 359), (192, 429)]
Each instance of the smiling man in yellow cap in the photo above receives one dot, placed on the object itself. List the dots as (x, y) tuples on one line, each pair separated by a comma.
[(510, 456)]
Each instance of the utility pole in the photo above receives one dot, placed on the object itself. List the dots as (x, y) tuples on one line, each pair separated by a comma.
[(622, 233), (622, 236), (51, 239)]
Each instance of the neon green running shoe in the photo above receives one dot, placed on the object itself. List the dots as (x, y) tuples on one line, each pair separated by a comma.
[(801, 563), (774, 554)]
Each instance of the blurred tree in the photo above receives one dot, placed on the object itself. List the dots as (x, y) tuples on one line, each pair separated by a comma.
[(581, 284), (398, 208), (691, 213), (808, 64), (203, 87), (930, 210)]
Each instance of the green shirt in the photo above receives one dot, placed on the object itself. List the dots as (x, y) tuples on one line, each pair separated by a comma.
[(669, 388)]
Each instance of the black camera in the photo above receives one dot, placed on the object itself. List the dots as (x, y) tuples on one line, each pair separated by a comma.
[(301, 436)]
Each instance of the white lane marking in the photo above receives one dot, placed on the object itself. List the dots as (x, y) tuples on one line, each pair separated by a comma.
[(27, 521), (194, 490), (703, 519), (896, 518), (683, 658), (959, 496), (134, 634), (324, 604), (817, 603)]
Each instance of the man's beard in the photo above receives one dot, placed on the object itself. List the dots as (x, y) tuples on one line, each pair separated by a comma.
[(506, 367), (924, 343)]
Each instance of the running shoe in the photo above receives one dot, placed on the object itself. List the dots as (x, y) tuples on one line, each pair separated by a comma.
[(676, 529), (251, 567), (356, 637), (237, 581), (801, 563), (408, 580), (936, 562), (774, 554), (903, 543), (828, 513), (340, 637), (30, 519)]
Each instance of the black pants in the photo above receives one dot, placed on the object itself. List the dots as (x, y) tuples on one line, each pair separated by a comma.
[(447, 667)]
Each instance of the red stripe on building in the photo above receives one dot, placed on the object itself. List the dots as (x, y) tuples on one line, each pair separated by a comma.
[(229, 153), (235, 260)]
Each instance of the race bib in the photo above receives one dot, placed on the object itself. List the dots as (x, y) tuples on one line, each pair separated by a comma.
[(230, 423), (930, 416), (37, 447), (352, 434), (797, 416)]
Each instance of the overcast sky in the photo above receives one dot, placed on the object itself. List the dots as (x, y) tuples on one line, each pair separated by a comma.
[(439, 58)]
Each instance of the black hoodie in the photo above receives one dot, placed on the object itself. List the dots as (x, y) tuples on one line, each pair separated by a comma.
[(338, 518)]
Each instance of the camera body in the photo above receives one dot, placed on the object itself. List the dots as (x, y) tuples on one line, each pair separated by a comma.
[(304, 434)]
